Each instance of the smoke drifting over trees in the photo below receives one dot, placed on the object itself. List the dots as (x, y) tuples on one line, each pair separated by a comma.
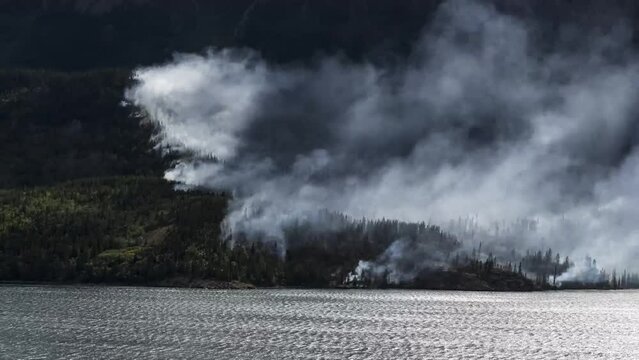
[(478, 121)]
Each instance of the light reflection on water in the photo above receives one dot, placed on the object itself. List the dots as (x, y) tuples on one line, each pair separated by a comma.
[(126, 322)]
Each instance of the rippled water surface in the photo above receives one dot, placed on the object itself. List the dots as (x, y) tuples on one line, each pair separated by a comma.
[(38, 322)]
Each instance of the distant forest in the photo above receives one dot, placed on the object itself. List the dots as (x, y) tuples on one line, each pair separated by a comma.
[(139, 230), (81, 191)]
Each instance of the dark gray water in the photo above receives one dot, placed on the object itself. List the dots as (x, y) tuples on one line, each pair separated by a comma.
[(40, 322)]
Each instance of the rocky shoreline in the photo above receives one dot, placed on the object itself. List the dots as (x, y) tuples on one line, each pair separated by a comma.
[(180, 282), (167, 283), (443, 281)]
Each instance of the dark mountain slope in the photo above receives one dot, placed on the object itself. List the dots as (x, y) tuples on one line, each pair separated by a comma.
[(86, 34), (59, 126)]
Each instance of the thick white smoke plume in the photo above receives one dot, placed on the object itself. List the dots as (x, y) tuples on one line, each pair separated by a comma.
[(478, 123)]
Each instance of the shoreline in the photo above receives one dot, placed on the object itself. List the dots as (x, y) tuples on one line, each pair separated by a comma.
[(172, 283), (237, 285)]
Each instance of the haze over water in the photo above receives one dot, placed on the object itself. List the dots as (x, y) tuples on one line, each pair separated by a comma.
[(40, 322)]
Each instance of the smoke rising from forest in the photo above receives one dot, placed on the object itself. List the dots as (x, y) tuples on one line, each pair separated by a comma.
[(477, 124)]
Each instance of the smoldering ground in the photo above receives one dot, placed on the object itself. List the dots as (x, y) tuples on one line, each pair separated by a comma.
[(478, 122)]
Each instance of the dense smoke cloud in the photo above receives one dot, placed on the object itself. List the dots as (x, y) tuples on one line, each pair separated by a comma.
[(476, 124)]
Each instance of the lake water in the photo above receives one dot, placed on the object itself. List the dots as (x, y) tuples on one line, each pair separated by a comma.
[(76, 322)]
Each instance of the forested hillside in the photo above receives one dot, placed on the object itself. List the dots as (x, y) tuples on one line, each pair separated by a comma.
[(82, 196), (139, 230), (125, 229)]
